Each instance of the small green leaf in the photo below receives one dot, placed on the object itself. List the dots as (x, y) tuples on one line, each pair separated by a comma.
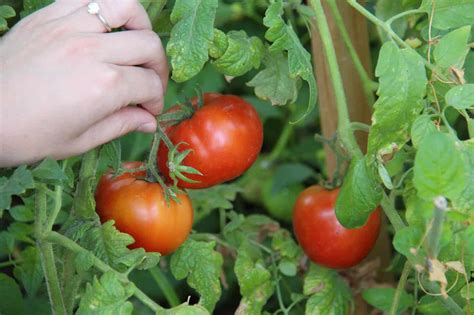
[(406, 239), (471, 291), (112, 153), (422, 126), (190, 37), (184, 309), (328, 293), (252, 227), (360, 194), (431, 305), (7, 243), (242, 54), (465, 201), (7, 11), (402, 86), (30, 272), (382, 298), (461, 96), (201, 265), (149, 261), (83, 261), (452, 48), (107, 296), (21, 231), (450, 14), (274, 82), (16, 184), (283, 242), (49, 169), (439, 167), (288, 268), (3, 25), (255, 280), (217, 197), (10, 295), (23, 213)]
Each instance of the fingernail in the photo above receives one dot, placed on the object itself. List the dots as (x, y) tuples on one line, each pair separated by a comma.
[(148, 127)]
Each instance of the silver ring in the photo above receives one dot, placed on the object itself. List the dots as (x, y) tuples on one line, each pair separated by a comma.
[(94, 9)]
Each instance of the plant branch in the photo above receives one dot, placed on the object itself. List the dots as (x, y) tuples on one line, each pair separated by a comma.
[(344, 128), (400, 288), (281, 142), (402, 14), (165, 286), (368, 84), (434, 234), (392, 213), (58, 201)]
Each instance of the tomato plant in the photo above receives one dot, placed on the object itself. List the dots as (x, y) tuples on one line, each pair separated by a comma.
[(323, 238), (224, 135), (140, 209), (76, 237)]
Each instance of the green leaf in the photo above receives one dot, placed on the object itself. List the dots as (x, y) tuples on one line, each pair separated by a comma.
[(439, 167), (30, 272), (406, 239), (201, 265), (360, 194), (10, 295), (184, 309), (112, 153), (7, 11), (418, 211), (288, 174), (283, 242), (190, 37), (422, 126), (255, 280), (402, 85), (242, 54), (385, 9), (22, 213), (288, 268), (30, 6), (431, 305), (284, 38), (274, 82), (452, 48), (21, 231), (16, 184), (83, 261), (465, 201), (450, 13), (382, 298), (217, 197), (7, 243), (3, 25), (328, 293), (49, 169), (107, 296), (461, 96), (252, 227), (471, 291)]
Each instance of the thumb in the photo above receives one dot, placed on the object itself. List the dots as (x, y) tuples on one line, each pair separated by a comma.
[(116, 125)]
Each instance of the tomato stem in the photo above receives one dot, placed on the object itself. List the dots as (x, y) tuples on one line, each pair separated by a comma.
[(434, 235), (368, 84), (281, 142), (400, 288), (344, 128), (58, 190), (165, 286)]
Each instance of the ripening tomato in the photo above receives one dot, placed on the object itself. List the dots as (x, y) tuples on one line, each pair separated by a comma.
[(139, 208), (323, 238), (225, 136)]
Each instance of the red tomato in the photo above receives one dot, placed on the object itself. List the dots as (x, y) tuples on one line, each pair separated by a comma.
[(323, 238), (139, 209), (225, 135)]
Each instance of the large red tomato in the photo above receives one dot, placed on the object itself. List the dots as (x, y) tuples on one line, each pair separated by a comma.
[(225, 136), (139, 208), (323, 238)]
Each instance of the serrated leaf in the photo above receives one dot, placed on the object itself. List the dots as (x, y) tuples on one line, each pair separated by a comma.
[(217, 197), (30, 272), (10, 295), (288, 174), (242, 54), (7, 11), (422, 126), (283, 242), (252, 227), (49, 169), (16, 184), (382, 298), (274, 82), (107, 296), (465, 201), (328, 293), (452, 48), (83, 261), (190, 37), (112, 153), (184, 309), (284, 38), (255, 280), (407, 238), (149, 260), (402, 86), (439, 167), (450, 14), (461, 96), (359, 196), (201, 265)]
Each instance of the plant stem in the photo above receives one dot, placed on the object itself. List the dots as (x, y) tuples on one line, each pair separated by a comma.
[(386, 27), (402, 14), (434, 235), (368, 84), (9, 263), (65, 242), (344, 128), (47, 256), (165, 286), (81, 203), (281, 142), (400, 288), (360, 126), (58, 201), (392, 213)]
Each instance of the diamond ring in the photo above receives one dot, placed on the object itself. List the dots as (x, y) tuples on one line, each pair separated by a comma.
[(94, 9)]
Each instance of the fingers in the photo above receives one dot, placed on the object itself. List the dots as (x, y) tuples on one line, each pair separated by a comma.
[(129, 14), (135, 48), (125, 120)]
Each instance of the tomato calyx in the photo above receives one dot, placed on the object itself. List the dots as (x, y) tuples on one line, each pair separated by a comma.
[(175, 158)]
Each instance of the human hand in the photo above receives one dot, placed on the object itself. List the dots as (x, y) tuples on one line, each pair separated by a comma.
[(66, 84)]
